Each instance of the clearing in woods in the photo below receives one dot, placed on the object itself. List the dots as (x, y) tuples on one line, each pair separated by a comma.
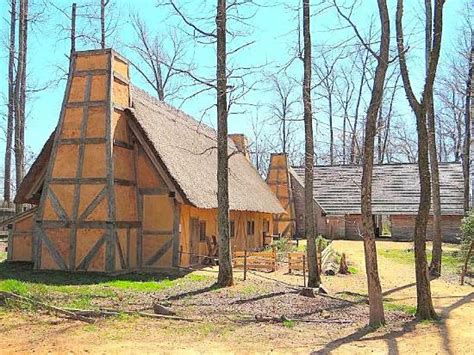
[(228, 315)]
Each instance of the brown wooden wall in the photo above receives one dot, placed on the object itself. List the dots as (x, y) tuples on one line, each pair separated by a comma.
[(240, 241), (402, 227), (322, 228), (20, 238)]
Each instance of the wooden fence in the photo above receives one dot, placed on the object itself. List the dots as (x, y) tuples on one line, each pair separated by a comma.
[(260, 260)]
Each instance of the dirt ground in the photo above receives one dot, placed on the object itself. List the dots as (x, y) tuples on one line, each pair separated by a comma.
[(227, 328)]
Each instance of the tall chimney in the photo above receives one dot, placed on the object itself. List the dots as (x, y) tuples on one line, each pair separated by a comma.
[(79, 219)]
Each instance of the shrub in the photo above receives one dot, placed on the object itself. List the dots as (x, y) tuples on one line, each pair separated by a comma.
[(467, 236)]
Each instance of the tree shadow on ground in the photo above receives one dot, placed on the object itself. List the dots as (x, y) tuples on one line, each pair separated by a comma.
[(262, 297), (24, 272), (391, 337)]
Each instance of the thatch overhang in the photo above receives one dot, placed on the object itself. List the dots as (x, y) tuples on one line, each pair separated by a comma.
[(29, 190), (395, 191)]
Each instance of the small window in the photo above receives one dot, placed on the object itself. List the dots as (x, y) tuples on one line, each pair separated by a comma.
[(250, 227), (202, 231), (232, 229)]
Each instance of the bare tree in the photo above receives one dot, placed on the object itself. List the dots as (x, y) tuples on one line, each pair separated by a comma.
[(73, 30), (160, 68), (225, 277), (425, 309), (11, 107), (327, 83), (435, 266), (363, 78), (314, 278), (20, 96), (283, 108), (376, 317), (467, 129), (103, 5)]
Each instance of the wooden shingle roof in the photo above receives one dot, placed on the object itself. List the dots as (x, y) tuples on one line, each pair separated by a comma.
[(396, 188)]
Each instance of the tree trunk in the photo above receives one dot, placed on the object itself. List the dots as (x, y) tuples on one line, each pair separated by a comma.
[(314, 278), (20, 96), (73, 30), (467, 133), (344, 137), (425, 309), (435, 267), (11, 108), (354, 154), (225, 277), (103, 4), (377, 317), (331, 131)]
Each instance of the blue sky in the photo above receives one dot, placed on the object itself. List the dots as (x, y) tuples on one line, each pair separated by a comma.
[(273, 34)]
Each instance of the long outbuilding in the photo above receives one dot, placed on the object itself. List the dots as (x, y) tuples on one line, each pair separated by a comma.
[(337, 195)]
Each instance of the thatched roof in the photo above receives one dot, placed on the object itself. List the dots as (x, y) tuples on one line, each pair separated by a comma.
[(396, 188), (35, 175), (188, 149)]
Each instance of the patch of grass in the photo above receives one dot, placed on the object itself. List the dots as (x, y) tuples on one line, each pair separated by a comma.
[(14, 286), (411, 310), (352, 269), (289, 323), (407, 256), (3, 256), (90, 328), (81, 302)]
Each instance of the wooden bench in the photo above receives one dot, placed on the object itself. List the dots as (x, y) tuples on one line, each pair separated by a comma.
[(260, 260)]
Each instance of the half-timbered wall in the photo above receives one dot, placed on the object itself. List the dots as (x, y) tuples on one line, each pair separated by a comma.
[(20, 237), (80, 224), (279, 182)]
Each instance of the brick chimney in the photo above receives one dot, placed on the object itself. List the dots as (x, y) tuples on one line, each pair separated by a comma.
[(241, 143)]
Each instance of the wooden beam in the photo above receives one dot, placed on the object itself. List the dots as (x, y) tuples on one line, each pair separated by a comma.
[(160, 253), (84, 264)]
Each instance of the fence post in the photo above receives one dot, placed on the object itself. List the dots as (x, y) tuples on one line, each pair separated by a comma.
[(304, 270), (245, 264), (180, 254)]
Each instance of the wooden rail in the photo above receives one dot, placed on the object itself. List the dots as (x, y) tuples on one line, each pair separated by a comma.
[(261, 260)]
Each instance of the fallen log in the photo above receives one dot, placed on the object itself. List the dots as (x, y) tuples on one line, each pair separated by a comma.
[(150, 315), (61, 311), (283, 318)]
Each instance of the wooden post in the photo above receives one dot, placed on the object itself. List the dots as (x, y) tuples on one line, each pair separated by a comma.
[(245, 264), (10, 242), (466, 262), (304, 270), (180, 254)]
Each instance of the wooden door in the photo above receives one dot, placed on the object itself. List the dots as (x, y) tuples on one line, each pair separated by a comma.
[(194, 240), (158, 230)]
